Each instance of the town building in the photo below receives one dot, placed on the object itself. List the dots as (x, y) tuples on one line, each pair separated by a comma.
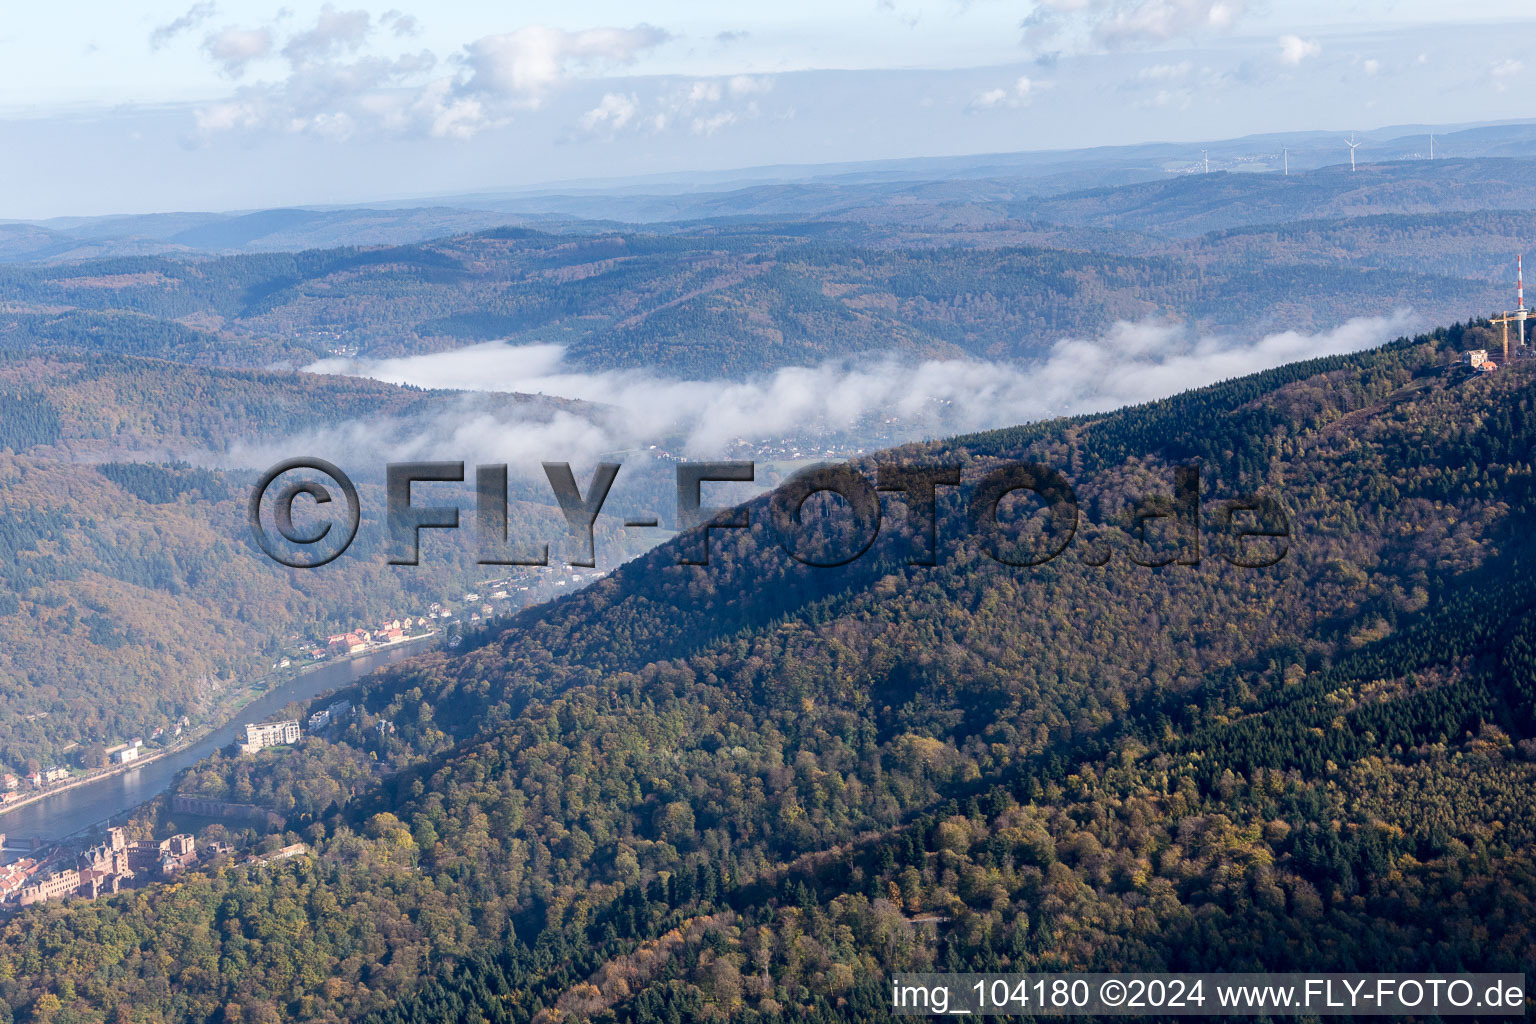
[(53, 886), (108, 857), (104, 868), (271, 734), (14, 876), (162, 859), (93, 884), (332, 715)]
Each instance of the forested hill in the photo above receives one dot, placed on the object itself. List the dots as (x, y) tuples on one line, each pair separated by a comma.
[(1243, 433), (1156, 190), (754, 788), (976, 276), (131, 594), (1194, 204)]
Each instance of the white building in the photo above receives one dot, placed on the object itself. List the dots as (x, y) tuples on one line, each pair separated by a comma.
[(269, 735)]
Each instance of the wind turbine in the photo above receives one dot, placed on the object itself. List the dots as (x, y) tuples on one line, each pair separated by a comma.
[(1205, 160), (1285, 154), (1352, 144), (1431, 145)]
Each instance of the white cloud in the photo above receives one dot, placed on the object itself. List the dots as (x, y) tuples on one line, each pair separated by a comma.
[(1166, 72), (228, 116), (1171, 98), (447, 116), (521, 67), (1154, 21), (234, 48), (1017, 95), (335, 32), (338, 83), (1169, 86), (1134, 362), (704, 92), (748, 85), (339, 99), (1503, 71), (400, 23), (709, 105), (1294, 49), (1088, 25), (615, 111), (712, 123), (195, 16)]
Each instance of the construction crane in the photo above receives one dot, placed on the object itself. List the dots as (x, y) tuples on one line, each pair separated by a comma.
[(1519, 316)]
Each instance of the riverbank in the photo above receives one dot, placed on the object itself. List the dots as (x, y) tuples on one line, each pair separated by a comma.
[(99, 775), (229, 708)]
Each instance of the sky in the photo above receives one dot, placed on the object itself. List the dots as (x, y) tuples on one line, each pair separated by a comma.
[(240, 104)]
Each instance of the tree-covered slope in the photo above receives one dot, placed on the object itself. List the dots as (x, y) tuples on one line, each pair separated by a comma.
[(753, 788), (733, 299), (131, 591)]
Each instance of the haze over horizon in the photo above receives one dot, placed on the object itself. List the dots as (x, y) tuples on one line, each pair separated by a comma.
[(240, 105)]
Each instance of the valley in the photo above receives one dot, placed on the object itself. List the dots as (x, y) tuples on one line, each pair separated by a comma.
[(753, 789)]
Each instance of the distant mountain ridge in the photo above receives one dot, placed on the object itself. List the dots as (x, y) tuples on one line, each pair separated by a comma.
[(775, 192), (996, 280)]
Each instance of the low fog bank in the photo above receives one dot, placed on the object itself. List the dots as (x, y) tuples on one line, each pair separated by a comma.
[(842, 404)]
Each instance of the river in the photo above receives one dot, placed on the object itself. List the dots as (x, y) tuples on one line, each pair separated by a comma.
[(74, 810)]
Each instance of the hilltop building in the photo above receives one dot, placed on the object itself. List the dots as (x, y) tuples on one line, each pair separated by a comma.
[(107, 867), (271, 734), (51, 887), (1475, 362), (164, 858), (110, 856), (332, 715)]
